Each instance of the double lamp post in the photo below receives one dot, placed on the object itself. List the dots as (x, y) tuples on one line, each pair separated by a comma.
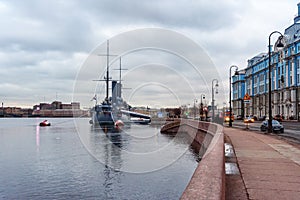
[(213, 98)]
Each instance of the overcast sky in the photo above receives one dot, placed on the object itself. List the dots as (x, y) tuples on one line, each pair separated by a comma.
[(44, 45)]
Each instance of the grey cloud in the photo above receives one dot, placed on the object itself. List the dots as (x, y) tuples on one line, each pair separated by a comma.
[(45, 26), (155, 58), (203, 15)]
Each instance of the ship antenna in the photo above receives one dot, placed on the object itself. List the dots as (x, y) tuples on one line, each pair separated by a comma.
[(120, 71)]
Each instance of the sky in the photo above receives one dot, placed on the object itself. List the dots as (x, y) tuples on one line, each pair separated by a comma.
[(51, 50)]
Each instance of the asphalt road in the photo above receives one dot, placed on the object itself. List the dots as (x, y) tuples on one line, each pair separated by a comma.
[(291, 128)]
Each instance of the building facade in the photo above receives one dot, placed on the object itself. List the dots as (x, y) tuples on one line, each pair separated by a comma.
[(285, 79), (59, 109)]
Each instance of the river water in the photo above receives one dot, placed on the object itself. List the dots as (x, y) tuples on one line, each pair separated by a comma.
[(73, 160)]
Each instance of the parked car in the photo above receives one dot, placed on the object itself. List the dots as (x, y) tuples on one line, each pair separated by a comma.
[(227, 116), (276, 126), (239, 117), (278, 118), (249, 119), (262, 118), (254, 117)]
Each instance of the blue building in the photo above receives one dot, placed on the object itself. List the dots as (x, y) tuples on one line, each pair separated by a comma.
[(285, 76)]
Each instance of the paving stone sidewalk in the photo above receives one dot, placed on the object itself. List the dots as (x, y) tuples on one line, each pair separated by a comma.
[(270, 168)]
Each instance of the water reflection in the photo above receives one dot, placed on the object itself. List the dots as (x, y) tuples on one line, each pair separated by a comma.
[(37, 138), (113, 151), (112, 163), (139, 149), (107, 148), (193, 146)]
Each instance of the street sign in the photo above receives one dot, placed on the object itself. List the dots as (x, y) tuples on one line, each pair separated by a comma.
[(247, 97), (246, 101)]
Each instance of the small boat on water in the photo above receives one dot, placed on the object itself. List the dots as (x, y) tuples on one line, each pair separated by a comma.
[(45, 123), (119, 124)]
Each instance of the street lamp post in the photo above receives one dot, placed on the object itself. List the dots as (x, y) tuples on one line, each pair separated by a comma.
[(195, 101), (213, 100), (279, 45), (201, 106), (260, 109), (230, 109)]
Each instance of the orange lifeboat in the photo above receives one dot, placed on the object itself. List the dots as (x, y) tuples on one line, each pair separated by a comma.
[(119, 125), (45, 123)]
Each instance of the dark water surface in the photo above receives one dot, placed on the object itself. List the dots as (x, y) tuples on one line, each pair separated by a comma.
[(72, 160)]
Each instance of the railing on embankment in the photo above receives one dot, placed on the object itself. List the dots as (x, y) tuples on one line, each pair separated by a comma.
[(208, 180)]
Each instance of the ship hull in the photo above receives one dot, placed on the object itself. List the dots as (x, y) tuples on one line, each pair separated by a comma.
[(102, 116)]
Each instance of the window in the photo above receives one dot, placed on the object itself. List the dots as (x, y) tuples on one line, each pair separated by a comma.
[(235, 87), (261, 89), (261, 77)]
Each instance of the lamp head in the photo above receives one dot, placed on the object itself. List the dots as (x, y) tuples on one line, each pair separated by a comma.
[(236, 72), (280, 42)]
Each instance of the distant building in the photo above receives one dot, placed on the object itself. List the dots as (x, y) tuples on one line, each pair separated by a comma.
[(58, 109), (54, 109), (16, 112), (173, 112)]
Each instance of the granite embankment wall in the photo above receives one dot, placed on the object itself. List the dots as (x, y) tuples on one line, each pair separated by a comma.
[(208, 180)]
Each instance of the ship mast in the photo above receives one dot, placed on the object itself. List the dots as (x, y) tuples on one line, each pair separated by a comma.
[(107, 71), (106, 78)]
